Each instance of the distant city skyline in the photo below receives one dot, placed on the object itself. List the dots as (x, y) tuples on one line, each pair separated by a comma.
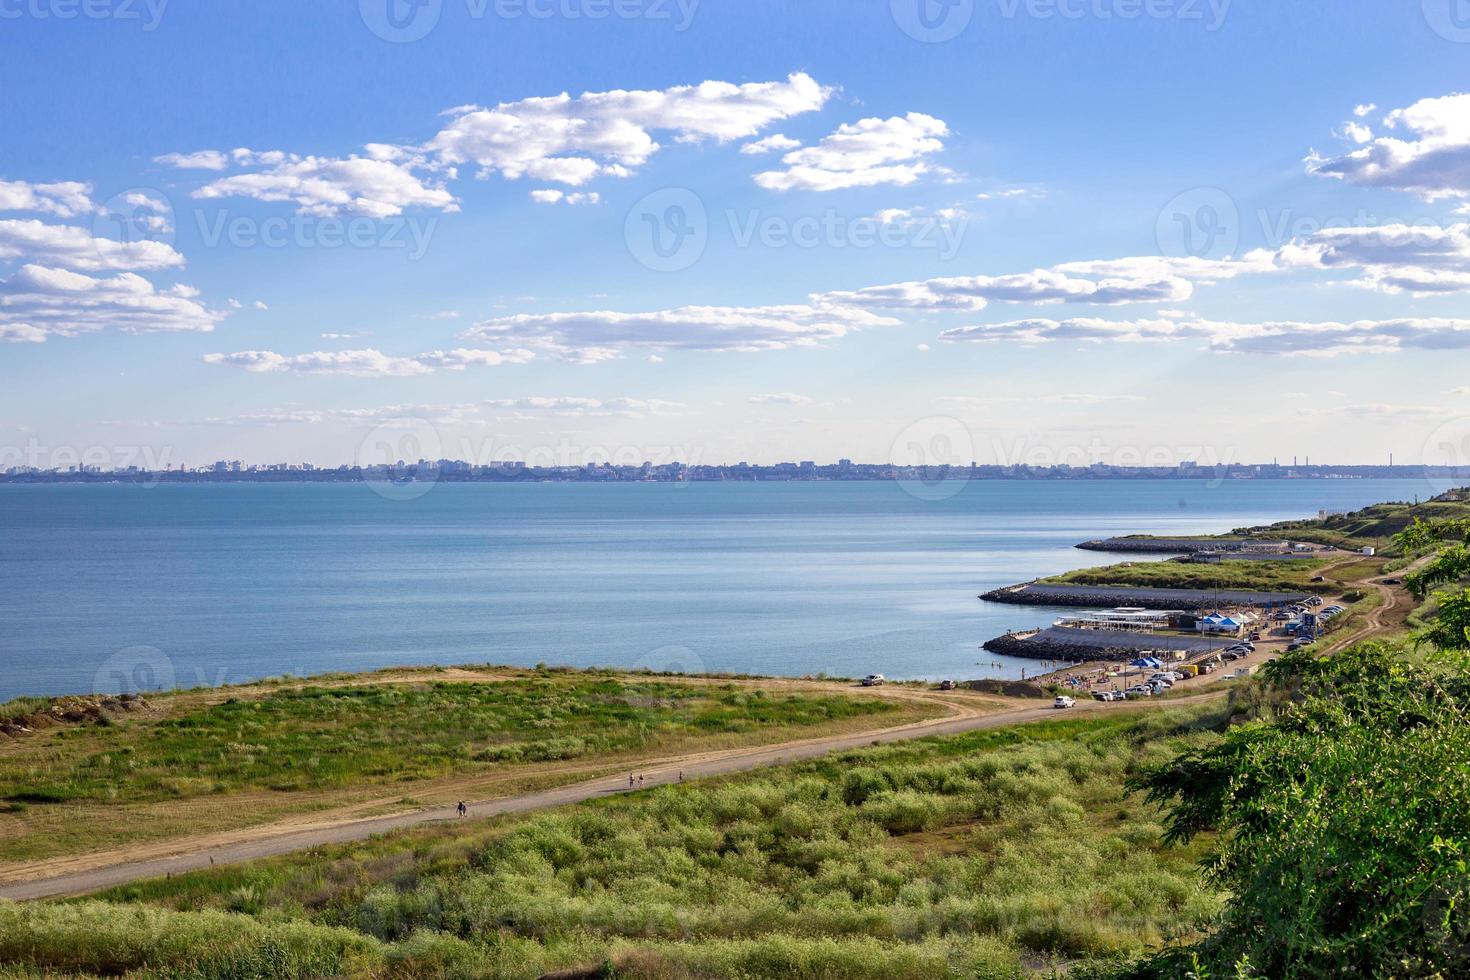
[(725, 231), (842, 469)]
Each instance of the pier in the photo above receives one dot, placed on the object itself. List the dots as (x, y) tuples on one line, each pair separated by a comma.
[(1087, 646), (1110, 596)]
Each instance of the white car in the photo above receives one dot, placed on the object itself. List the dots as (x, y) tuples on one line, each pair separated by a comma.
[(1063, 701), (874, 680)]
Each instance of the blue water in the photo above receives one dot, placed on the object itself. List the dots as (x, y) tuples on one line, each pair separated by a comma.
[(116, 587)]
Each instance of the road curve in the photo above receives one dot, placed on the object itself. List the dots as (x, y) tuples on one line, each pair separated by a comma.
[(667, 771)]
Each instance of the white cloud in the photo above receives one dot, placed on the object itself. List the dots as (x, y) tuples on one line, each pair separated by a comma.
[(1285, 338), (603, 335), (462, 413), (974, 293), (775, 143), (962, 402), (1038, 330), (1375, 412), (367, 362), (71, 247), (1428, 153), (552, 196), (1420, 259), (203, 160), (911, 216), (65, 200), (558, 139), (1363, 109), (38, 302), (895, 216), (573, 407), (381, 184), (1011, 193), (782, 398), (867, 153), (571, 140)]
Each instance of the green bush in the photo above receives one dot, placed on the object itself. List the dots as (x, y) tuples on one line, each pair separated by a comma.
[(1345, 821)]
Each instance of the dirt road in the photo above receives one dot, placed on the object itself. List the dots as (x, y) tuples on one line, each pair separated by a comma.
[(262, 842)]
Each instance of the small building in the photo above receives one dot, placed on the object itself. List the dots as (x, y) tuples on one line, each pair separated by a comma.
[(1126, 619)]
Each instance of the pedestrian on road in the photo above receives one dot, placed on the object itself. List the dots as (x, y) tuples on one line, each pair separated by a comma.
[(463, 810), (630, 780), (681, 775)]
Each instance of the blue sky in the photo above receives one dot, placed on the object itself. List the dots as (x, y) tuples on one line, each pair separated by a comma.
[(279, 231)]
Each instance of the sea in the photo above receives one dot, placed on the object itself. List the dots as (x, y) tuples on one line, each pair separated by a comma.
[(108, 588)]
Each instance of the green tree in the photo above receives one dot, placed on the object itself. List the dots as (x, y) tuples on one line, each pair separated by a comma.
[(1344, 822)]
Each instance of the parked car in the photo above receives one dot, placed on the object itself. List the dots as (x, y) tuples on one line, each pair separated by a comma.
[(1134, 693), (874, 680), (1063, 701), (946, 685), (1108, 695), (1255, 634)]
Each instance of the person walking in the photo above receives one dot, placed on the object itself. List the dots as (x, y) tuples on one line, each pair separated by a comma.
[(463, 810)]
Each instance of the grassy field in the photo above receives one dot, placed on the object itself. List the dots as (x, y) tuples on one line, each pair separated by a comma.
[(1372, 526), (1266, 576), (205, 761), (972, 856)]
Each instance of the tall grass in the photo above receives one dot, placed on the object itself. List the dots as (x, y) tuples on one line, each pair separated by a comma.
[(325, 737), (963, 856)]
